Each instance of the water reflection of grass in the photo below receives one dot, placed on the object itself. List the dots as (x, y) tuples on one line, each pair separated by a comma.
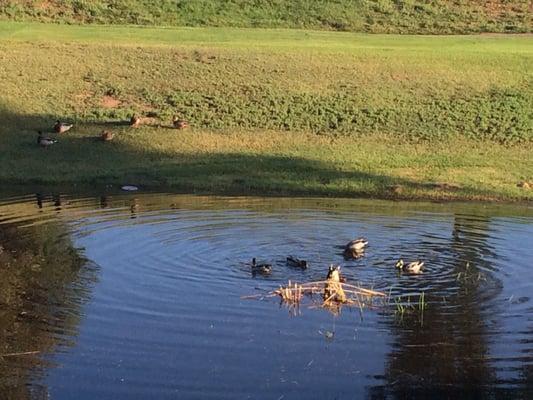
[(279, 118), (40, 274)]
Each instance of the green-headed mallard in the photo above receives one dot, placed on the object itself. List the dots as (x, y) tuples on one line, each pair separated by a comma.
[(179, 123), (107, 136), (45, 141), (414, 267), (62, 127), (263, 269), (296, 262)]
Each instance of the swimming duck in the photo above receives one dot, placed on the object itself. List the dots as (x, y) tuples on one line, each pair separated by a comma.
[(135, 121), (62, 127), (179, 123), (296, 262), (414, 267), (45, 141), (264, 269), (357, 244), (107, 136), (355, 248)]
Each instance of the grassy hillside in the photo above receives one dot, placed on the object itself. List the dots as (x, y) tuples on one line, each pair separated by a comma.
[(271, 111), (377, 16)]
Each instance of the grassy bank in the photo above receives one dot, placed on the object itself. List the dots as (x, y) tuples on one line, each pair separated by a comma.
[(382, 16), (281, 112)]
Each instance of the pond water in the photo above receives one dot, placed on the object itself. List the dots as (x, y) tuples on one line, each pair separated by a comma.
[(140, 296)]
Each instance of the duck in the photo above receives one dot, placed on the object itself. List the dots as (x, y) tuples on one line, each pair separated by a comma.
[(263, 269), (179, 123), (414, 267), (296, 262), (334, 274), (357, 244), (107, 136), (62, 127), (333, 290), (135, 121), (45, 141), (355, 248)]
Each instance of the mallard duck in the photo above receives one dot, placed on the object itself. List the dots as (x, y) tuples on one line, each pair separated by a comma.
[(333, 290), (353, 253), (45, 141), (356, 244), (179, 123), (296, 262), (135, 121), (414, 267), (107, 136), (62, 127), (334, 274), (263, 269), (355, 248)]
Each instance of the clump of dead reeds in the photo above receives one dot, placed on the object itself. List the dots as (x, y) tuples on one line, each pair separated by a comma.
[(332, 294), (292, 293)]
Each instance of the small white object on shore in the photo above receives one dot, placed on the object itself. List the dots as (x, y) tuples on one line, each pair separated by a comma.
[(129, 188)]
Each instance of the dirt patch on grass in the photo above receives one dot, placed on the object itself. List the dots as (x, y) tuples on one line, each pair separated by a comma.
[(497, 8), (109, 102), (51, 6)]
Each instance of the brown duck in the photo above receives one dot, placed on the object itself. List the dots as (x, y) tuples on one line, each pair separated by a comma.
[(179, 123), (135, 121), (107, 136), (62, 127), (414, 267)]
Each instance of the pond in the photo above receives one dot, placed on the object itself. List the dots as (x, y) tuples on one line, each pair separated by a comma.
[(141, 296)]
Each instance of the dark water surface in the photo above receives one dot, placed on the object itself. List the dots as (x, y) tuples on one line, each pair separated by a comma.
[(128, 297)]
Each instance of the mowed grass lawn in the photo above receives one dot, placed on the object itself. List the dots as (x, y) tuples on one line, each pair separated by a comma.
[(271, 111)]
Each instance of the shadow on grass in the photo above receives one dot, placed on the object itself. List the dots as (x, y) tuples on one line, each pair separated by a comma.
[(80, 158)]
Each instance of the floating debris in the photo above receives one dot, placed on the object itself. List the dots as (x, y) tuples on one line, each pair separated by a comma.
[(333, 292)]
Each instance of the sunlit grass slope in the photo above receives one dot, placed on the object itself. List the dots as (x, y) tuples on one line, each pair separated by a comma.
[(377, 16), (272, 111)]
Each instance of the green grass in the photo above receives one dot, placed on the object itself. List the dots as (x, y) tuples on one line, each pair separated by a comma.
[(381, 16), (272, 111)]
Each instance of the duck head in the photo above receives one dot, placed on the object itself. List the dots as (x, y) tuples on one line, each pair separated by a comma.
[(399, 264)]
